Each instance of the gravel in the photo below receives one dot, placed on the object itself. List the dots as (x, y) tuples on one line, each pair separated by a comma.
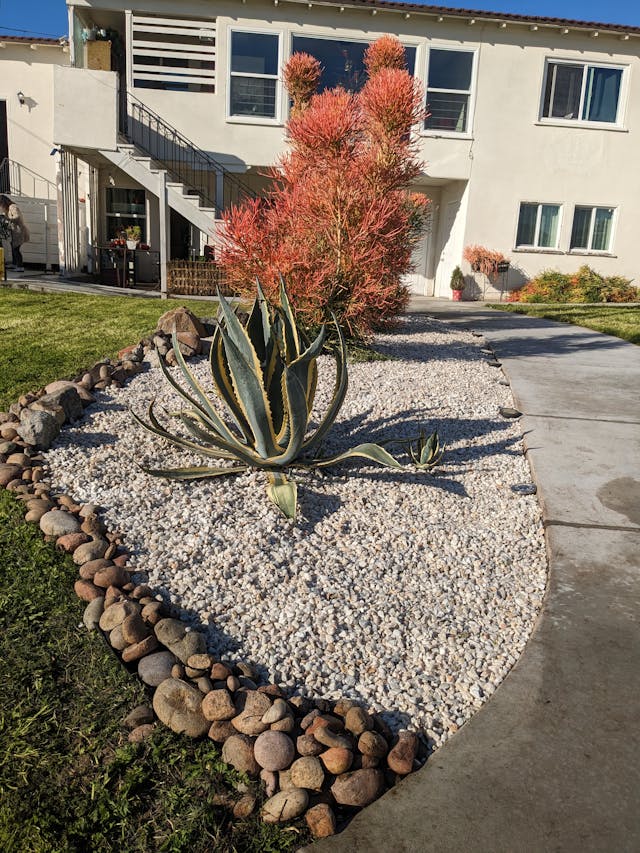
[(413, 593)]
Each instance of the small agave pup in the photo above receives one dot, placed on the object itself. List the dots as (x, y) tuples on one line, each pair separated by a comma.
[(265, 372)]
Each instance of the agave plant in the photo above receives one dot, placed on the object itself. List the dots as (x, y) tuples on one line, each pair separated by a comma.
[(265, 372), (427, 452)]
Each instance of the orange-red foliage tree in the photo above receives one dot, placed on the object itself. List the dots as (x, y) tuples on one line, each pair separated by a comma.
[(339, 223)]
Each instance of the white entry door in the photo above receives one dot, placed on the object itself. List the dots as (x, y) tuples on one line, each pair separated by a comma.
[(446, 261)]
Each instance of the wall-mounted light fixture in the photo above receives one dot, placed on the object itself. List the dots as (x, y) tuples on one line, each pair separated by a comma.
[(21, 98)]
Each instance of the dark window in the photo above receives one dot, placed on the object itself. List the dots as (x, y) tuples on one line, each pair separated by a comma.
[(449, 90), (254, 75)]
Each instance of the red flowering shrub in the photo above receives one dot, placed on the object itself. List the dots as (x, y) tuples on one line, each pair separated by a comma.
[(301, 78), (339, 224), (385, 52)]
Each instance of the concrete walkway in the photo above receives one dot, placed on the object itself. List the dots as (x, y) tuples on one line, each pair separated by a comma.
[(552, 761)]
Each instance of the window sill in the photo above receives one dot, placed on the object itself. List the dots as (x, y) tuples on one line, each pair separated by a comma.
[(590, 254), (536, 250), (264, 122), (446, 134), (585, 125)]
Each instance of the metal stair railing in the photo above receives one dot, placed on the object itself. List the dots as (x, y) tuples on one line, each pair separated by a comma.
[(20, 180), (183, 161)]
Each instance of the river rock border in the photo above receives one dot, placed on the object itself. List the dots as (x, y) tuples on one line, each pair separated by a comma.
[(317, 758)]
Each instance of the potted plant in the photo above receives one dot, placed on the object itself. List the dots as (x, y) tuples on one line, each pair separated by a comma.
[(134, 235), (457, 284)]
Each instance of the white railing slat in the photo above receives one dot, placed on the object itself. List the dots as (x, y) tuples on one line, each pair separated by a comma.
[(179, 22), (173, 78)]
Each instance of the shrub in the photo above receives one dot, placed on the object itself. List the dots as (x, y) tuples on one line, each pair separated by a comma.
[(339, 224), (586, 285), (484, 260)]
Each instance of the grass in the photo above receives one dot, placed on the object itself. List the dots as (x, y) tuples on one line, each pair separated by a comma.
[(69, 779), (48, 336), (621, 321)]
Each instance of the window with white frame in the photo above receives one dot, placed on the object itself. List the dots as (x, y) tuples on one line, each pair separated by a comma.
[(538, 225), (253, 81), (592, 229), (449, 81), (578, 91)]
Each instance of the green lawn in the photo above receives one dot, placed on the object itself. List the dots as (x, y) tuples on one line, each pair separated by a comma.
[(48, 336), (69, 779), (621, 321)]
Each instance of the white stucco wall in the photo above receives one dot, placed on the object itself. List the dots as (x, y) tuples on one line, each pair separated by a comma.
[(30, 125)]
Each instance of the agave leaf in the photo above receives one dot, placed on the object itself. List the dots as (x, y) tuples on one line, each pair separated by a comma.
[(283, 492), (373, 452), (251, 396), (205, 404), (259, 325), (234, 330), (306, 369), (296, 404), (201, 472), (156, 428), (222, 381), (291, 337), (339, 393), (190, 421)]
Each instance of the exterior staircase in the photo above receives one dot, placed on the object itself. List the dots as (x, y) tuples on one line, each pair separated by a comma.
[(170, 166), (157, 179)]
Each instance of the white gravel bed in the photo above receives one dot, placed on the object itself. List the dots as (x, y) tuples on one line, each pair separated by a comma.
[(411, 592)]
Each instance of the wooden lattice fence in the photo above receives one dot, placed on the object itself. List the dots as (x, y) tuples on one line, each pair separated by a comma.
[(196, 278)]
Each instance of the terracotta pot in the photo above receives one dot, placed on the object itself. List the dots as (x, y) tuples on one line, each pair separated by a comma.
[(456, 295)]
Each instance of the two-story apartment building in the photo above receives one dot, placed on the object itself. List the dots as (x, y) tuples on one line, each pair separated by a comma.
[(530, 148)]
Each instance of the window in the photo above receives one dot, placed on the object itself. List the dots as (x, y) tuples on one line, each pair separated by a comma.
[(538, 225), (124, 208), (342, 61), (253, 83), (173, 54), (449, 79), (579, 92), (592, 227)]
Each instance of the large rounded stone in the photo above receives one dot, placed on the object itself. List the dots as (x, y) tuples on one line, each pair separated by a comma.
[(358, 788), (221, 730), (92, 613), (401, 757), (193, 643), (182, 320), (9, 473), (38, 428), (138, 650), (337, 760), (321, 821), (274, 751), (169, 631), (117, 613), (134, 630), (155, 668), (218, 705), (373, 744), (308, 745), (253, 708), (111, 576), (238, 752), (357, 721), (89, 551), (287, 805), (89, 570), (307, 772), (179, 706), (58, 523)]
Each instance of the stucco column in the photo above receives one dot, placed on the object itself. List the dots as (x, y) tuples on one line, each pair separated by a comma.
[(165, 231)]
